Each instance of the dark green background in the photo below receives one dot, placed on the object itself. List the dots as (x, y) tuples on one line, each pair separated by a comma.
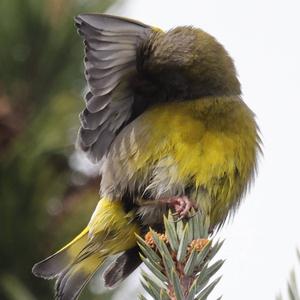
[(44, 202)]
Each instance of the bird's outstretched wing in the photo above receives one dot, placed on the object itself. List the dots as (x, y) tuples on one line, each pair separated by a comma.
[(111, 45)]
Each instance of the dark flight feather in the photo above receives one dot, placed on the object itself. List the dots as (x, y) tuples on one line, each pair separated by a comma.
[(110, 64), (122, 267)]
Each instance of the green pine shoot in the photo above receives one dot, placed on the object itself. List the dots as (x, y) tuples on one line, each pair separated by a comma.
[(179, 260)]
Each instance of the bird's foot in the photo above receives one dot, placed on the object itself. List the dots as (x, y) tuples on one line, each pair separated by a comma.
[(181, 204)]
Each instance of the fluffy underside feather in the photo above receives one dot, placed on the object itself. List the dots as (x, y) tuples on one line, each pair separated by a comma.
[(206, 148)]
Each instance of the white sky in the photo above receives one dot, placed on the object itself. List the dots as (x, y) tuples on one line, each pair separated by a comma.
[(263, 37)]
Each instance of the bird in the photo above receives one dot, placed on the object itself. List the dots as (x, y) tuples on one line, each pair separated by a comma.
[(165, 120)]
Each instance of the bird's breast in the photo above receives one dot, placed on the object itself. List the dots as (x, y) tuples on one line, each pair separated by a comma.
[(207, 145), (202, 139)]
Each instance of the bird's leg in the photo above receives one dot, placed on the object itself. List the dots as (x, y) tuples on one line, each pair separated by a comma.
[(181, 204)]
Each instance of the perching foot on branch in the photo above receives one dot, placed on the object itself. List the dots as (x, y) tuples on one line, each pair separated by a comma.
[(181, 204)]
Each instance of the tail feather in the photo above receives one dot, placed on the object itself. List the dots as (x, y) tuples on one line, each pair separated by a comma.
[(53, 265), (72, 280), (72, 266), (110, 231), (122, 267)]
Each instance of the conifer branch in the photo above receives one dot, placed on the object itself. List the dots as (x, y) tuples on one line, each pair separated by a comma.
[(179, 260)]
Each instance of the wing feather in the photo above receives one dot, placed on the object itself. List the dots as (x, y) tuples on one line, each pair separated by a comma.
[(111, 45)]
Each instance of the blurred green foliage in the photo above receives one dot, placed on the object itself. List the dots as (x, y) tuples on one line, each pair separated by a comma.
[(43, 201)]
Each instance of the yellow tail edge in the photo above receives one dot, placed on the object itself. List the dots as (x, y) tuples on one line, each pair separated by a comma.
[(53, 265)]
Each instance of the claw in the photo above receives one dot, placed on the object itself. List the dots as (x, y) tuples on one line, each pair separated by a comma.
[(181, 204), (194, 214), (179, 219)]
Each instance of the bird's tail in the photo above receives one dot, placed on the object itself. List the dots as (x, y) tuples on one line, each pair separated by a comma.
[(110, 231), (73, 279), (56, 263), (72, 266)]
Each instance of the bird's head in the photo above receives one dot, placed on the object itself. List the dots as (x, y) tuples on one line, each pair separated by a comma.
[(188, 63)]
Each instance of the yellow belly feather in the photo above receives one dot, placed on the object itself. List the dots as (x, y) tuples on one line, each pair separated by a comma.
[(213, 142)]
